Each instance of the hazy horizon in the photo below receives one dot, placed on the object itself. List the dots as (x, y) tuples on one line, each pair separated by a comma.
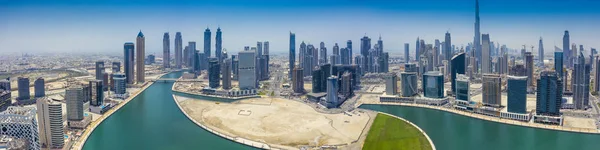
[(103, 26)]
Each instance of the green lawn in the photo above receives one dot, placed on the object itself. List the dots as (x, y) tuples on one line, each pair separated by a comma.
[(389, 133)]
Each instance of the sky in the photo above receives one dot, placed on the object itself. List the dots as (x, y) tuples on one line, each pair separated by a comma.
[(94, 26)]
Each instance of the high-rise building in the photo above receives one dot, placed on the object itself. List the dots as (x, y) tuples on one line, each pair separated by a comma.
[(206, 45), (213, 73), (406, 53), (19, 123), (346, 84), (116, 67), (566, 50), (580, 83), (235, 66), (74, 97), (491, 90), (549, 94), (417, 52), (332, 89), (247, 75), (477, 40), (50, 123), (178, 47), (345, 56), (448, 51), (349, 48), (226, 73), (529, 65), (486, 67), (391, 84), (558, 63), (120, 83), (166, 51), (218, 45), (433, 84), (384, 62), (358, 60), (23, 86), (140, 71), (541, 52), (266, 48), (297, 80), (292, 56), (322, 53), (365, 46), (458, 66), (97, 97), (597, 76), (317, 81), (462, 87), (517, 94), (409, 83), (410, 67), (99, 70), (192, 56), (39, 87)]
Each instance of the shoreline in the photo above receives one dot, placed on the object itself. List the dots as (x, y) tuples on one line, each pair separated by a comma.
[(215, 97), (493, 119), (95, 124), (239, 140), (421, 130)]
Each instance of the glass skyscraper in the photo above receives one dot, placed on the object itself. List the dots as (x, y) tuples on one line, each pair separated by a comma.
[(549, 94), (517, 94), (457, 67), (433, 84)]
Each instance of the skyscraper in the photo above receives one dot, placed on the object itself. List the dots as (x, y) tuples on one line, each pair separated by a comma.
[(549, 94), (322, 53), (218, 45), (120, 83), (580, 83), (417, 52), (140, 56), (349, 48), (558, 63), (462, 87), (486, 66), (99, 70), (391, 84), (128, 49), (297, 81), (458, 66), (214, 71), (247, 75), (226, 73), (433, 84), (448, 47), (116, 67), (529, 65), (541, 52), (566, 50), (40, 90), (178, 48), (332, 88), (192, 56), (97, 93), (166, 51), (365, 46), (477, 40), (50, 123), (517, 94), (74, 97), (491, 90), (409, 83), (266, 48), (23, 86), (292, 56), (206, 45), (406, 53), (597, 76)]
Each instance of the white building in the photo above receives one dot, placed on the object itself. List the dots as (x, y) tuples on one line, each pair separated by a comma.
[(50, 123), (20, 123)]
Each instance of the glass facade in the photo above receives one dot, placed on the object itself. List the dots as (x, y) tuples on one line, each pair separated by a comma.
[(517, 94)]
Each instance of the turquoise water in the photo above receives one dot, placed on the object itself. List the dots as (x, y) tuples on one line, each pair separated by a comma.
[(449, 131), (152, 121)]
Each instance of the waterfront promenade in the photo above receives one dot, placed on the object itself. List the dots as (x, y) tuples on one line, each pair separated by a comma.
[(483, 117), (90, 128)]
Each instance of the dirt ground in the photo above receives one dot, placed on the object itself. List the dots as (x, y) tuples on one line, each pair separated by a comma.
[(277, 121)]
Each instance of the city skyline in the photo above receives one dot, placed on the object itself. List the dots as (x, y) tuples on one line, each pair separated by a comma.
[(92, 27)]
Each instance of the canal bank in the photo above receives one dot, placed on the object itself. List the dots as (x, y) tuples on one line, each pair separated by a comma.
[(453, 132), (152, 121)]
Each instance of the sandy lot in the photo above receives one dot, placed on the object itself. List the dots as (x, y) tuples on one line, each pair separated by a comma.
[(574, 122), (277, 121)]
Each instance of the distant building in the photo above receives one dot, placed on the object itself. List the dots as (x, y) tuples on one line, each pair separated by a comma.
[(518, 70), (410, 67), (96, 89), (128, 49), (409, 83), (140, 71), (391, 84), (23, 85), (39, 87), (235, 67), (21, 123), (214, 71), (226, 73), (317, 81), (150, 59), (120, 84), (517, 94), (297, 80), (580, 83), (597, 75), (178, 50), (99, 70), (166, 51), (192, 54), (433, 84), (406, 53), (549, 94), (116, 67), (50, 122), (346, 88), (491, 90), (207, 47), (292, 56), (529, 65), (486, 61), (247, 75), (462, 88), (219, 45)]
